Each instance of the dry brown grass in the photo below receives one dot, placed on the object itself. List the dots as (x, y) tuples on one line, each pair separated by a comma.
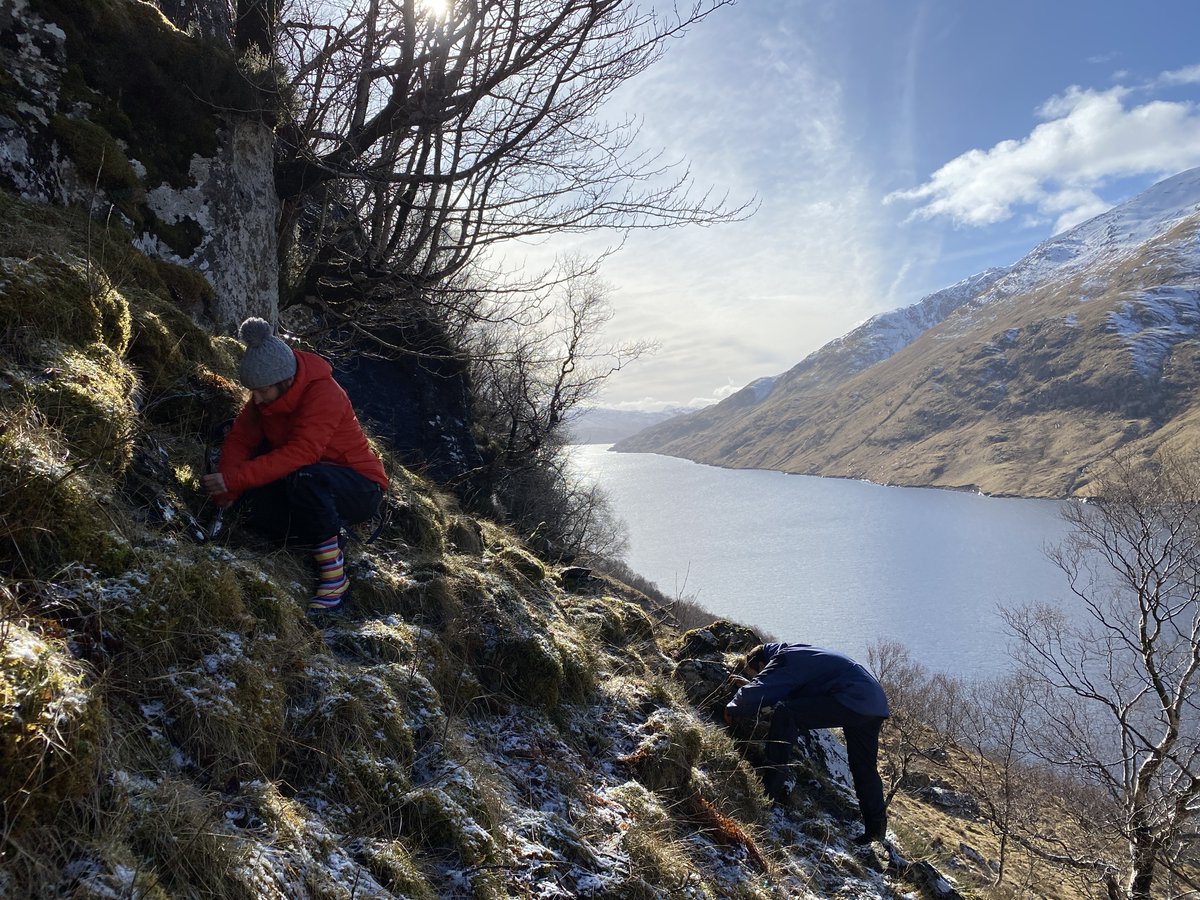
[(926, 831)]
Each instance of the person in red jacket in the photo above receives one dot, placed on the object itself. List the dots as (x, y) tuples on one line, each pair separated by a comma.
[(296, 459)]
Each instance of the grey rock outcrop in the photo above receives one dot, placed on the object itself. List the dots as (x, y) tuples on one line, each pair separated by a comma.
[(232, 199), (58, 144)]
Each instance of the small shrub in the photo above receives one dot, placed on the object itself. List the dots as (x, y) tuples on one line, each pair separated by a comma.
[(50, 734)]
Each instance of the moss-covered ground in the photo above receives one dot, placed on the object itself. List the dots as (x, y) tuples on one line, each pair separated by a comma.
[(171, 724)]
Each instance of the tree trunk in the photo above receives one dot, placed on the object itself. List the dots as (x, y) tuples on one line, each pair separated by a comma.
[(1144, 849)]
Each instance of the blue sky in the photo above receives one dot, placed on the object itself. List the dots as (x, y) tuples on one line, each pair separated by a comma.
[(895, 147)]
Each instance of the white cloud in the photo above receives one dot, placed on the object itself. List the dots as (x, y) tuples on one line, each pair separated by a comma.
[(1186, 75), (1089, 137), (763, 116)]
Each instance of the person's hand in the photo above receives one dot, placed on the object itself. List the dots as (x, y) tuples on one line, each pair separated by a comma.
[(213, 484), (738, 680)]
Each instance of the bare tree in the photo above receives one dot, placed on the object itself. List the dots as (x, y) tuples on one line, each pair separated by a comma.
[(423, 134), (1118, 671), (531, 376), (992, 729), (531, 379), (923, 709)]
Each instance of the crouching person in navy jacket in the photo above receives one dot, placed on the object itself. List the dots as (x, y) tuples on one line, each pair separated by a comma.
[(810, 687)]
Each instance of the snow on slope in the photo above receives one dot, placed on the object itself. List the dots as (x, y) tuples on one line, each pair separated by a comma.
[(1121, 230), (1154, 322), (889, 333), (886, 334)]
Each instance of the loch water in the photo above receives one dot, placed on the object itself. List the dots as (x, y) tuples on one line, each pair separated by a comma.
[(837, 562)]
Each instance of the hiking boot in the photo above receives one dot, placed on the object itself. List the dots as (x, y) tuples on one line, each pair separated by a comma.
[(777, 785), (320, 604), (874, 831)]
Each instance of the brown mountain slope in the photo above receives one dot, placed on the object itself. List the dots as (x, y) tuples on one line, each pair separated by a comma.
[(1013, 393)]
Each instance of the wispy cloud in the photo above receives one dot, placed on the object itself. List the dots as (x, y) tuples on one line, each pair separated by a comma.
[(1088, 138), (731, 304), (1186, 75)]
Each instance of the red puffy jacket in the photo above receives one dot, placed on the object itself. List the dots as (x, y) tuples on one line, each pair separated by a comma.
[(312, 422)]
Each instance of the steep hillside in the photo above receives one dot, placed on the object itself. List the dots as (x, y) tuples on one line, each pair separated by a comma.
[(481, 723), (1014, 382)]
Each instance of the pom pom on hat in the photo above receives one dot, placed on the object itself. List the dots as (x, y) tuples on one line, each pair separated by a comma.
[(268, 360), (254, 331)]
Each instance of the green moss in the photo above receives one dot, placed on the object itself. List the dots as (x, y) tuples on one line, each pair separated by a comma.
[(437, 822), (88, 397), (613, 620), (50, 518), (719, 637), (63, 298), (163, 101), (352, 732), (522, 562), (99, 160), (392, 865), (188, 289), (376, 639), (416, 518), (166, 344), (526, 667), (50, 732), (665, 758), (635, 621), (578, 670)]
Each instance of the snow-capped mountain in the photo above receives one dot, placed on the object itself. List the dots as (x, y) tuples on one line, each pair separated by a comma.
[(1016, 380)]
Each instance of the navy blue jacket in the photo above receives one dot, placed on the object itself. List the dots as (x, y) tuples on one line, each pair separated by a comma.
[(801, 670)]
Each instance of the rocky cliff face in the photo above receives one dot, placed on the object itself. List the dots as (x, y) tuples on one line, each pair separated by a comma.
[(1017, 381), (108, 106), (211, 18)]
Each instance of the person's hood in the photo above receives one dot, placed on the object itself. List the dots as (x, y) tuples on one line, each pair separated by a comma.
[(769, 650)]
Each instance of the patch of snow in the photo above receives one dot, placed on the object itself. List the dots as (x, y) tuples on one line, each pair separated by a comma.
[(1155, 321)]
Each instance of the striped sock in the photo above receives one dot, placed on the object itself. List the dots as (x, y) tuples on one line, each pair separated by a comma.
[(331, 575)]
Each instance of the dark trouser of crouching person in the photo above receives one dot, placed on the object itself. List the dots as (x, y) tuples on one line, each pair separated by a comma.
[(810, 687), (296, 459), (308, 509)]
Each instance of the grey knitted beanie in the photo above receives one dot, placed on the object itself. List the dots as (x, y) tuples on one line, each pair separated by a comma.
[(268, 360)]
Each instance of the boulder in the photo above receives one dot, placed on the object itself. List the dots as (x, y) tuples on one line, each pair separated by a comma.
[(717, 639), (706, 683)]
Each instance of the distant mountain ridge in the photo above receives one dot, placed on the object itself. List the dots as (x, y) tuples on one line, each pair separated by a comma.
[(1017, 380), (601, 425)]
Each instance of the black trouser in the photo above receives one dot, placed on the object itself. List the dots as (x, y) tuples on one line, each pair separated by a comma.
[(311, 504), (862, 744)]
